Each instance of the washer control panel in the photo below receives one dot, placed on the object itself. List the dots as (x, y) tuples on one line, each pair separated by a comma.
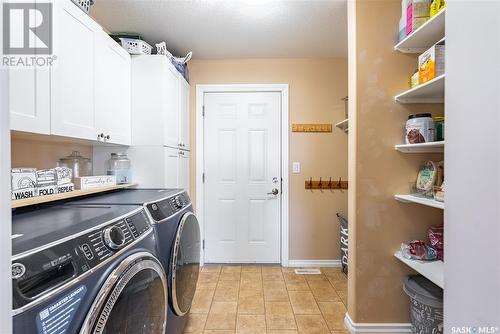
[(42, 271), (165, 208)]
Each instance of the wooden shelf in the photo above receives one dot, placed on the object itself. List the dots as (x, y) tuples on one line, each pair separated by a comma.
[(57, 197), (432, 270), (429, 92), (420, 200), (425, 36), (433, 147), (344, 125)]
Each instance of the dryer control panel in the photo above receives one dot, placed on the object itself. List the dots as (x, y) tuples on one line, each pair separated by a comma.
[(167, 207), (41, 271)]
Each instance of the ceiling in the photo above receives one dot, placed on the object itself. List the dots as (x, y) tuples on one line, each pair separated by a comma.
[(233, 28)]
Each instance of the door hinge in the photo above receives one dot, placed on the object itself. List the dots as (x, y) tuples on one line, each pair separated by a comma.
[(203, 111), (203, 177), (203, 244)]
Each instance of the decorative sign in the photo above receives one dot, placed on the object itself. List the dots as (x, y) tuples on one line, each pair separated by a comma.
[(311, 127)]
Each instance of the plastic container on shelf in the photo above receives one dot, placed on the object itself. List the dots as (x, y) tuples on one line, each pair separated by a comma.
[(420, 129), (120, 166), (136, 46), (83, 4), (426, 305)]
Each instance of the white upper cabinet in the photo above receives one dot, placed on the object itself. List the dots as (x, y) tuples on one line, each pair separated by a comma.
[(29, 100), (171, 127), (158, 96), (73, 75), (112, 92), (183, 114)]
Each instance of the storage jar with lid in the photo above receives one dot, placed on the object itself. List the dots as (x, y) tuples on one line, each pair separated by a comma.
[(119, 165), (439, 124), (80, 165), (419, 129)]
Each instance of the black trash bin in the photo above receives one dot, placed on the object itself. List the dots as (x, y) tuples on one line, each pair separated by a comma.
[(344, 236)]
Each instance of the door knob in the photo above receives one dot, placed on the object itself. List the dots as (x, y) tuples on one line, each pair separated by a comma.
[(274, 192)]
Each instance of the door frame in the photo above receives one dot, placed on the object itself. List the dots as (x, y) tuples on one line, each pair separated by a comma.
[(201, 90)]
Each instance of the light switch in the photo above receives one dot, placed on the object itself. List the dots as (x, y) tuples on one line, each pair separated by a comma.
[(296, 167)]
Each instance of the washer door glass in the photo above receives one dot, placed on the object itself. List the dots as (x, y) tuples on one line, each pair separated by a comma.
[(134, 301), (185, 264)]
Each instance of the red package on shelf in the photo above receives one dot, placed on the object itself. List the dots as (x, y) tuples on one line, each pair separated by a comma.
[(436, 238)]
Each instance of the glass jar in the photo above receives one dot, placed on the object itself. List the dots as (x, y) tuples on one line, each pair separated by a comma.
[(80, 165), (119, 165)]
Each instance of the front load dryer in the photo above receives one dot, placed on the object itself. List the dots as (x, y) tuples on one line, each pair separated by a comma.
[(178, 242)]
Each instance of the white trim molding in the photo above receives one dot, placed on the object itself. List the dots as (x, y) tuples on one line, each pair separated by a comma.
[(200, 159), (315, 263), (367, 328)]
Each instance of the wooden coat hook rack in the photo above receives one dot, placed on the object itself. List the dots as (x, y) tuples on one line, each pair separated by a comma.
[(326, 184)]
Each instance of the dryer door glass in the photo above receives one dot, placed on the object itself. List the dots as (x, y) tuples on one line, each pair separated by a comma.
[(133, 301), (185, 264)]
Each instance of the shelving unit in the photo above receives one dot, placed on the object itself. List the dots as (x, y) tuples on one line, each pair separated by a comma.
[(433, 91), (57, 197), (429, 92), (426, 35), (433, 147), (432, 270), (420, 200), (344, 125)]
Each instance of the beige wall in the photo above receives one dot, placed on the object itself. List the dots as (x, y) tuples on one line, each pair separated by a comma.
[(316, 87), (39, 153), (378, 223)]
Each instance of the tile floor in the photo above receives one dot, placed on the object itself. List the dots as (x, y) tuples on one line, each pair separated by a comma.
[(254, 299)]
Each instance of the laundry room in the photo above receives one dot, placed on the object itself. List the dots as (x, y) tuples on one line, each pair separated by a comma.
[(249, 166)]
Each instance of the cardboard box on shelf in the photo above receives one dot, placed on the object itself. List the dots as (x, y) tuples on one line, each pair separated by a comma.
[(64, 175), (45, 177), (23, 178), (417, 13), (92, 182), (431, 63)]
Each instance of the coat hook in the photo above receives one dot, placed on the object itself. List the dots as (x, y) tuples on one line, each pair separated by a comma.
[(311, 183), (330, 183), (340, 182), (320, 184)]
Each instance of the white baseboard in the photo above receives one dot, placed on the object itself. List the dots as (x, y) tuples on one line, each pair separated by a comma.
[(314, 263), (368, 328)]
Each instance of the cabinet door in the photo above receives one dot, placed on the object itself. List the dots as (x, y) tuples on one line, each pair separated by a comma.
[(172, 159), (172, 108), (73, 74), (112, 91), (183, 180), (184, 114)]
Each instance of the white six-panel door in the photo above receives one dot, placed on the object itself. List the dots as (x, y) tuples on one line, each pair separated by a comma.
[(242, 167)]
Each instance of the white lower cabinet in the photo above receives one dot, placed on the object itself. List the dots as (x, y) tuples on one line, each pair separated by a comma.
[(183, 172)]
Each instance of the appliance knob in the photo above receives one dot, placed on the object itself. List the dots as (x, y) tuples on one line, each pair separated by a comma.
[(114, 237), (178, 202)]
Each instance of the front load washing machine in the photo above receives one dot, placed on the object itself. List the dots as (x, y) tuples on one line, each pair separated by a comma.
[(178, 241), (87, 270)]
